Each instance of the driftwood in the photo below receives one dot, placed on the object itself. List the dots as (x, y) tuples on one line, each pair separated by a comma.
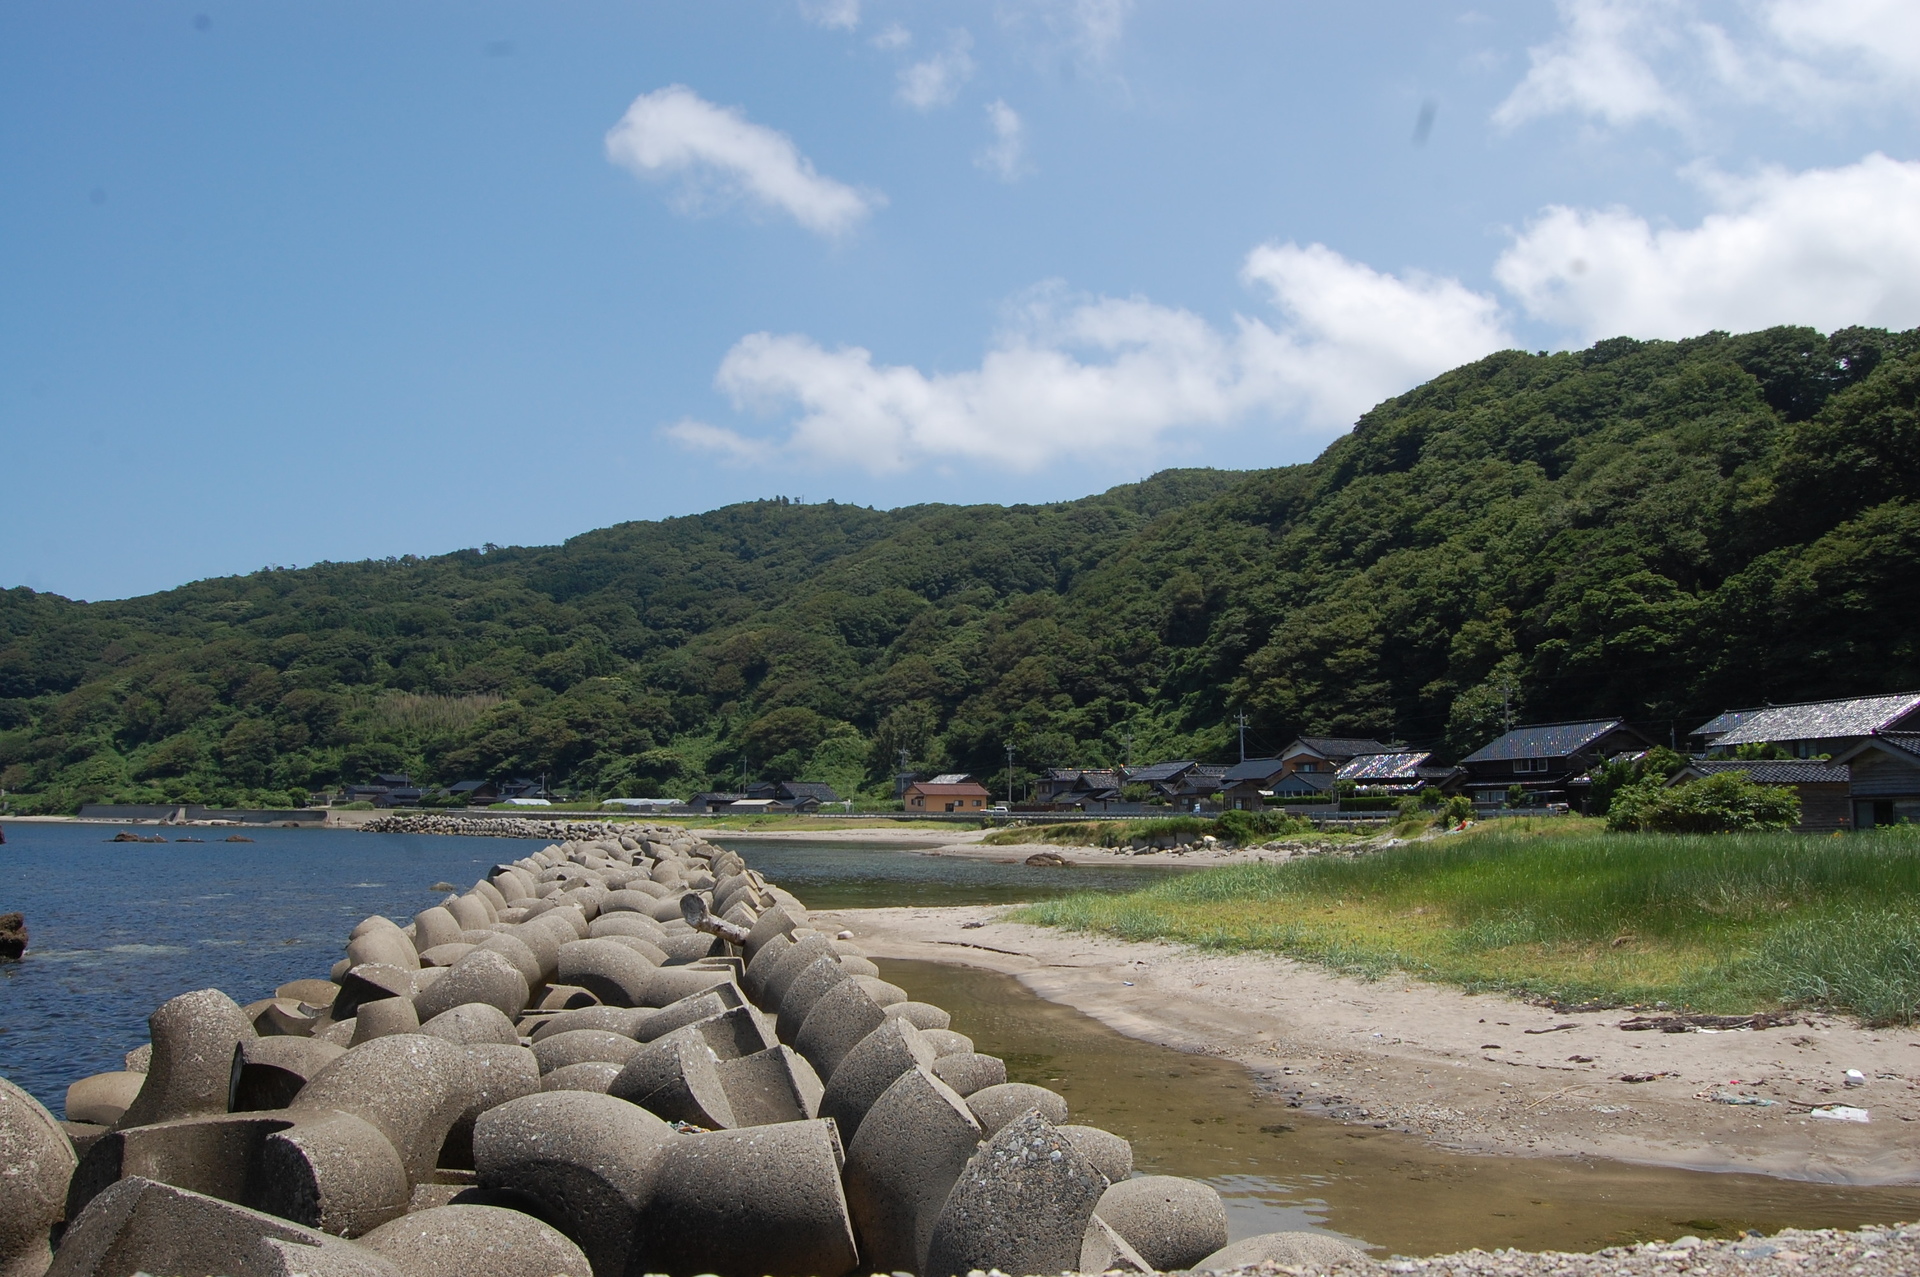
[(693, 908), (1688, 1023)]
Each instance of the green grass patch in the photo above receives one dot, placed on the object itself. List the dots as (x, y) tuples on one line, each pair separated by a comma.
[(1725, 923)]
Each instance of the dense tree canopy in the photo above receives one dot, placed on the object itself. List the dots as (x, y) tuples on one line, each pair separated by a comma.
[(1657, 530)]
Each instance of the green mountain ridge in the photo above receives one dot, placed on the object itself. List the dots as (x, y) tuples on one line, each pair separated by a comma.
[(1654, 530)]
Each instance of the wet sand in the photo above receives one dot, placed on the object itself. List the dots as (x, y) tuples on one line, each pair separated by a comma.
[(1476, 1073)]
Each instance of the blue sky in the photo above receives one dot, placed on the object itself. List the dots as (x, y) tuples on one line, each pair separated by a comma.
[(281, 283)]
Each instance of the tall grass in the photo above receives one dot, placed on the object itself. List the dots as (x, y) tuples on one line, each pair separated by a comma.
[(1725, 922)]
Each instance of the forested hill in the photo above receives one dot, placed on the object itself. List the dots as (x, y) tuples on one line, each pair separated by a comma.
[(1657, 530)]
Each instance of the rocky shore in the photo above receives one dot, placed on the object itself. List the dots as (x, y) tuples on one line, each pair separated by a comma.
[(497, 827), (631, 1054)]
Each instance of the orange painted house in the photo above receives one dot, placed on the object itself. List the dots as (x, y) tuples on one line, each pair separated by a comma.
[(951, 792)]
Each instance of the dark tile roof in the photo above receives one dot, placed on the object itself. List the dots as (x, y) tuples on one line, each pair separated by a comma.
[(1724, 723), (1821, 720), (1381, 767), (811, 789), (1316, 781), (1548, 740), (1907, 743), (1159, 771), (1253, 769), (1775, 771), (1344, 746)]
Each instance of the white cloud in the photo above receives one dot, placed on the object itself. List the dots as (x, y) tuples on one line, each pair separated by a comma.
[(1006, 156), (891, 37), (701, 437), (843, 15), (936, 82), (1827, 247), (1670, 61), (721, 155), (1112, 375), (1088, 31), (1599, 64)]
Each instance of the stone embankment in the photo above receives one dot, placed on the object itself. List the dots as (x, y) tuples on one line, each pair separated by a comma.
[(497, 827), (616, 1057)]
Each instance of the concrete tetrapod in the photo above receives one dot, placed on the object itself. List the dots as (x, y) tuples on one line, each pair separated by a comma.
[(1171, 1222), (193, 1039), (915, 1141), (843, 1016), (384, 1018), (331, 1171), (1103, 1250), (622, 1020), (1032, 1164), (995, 1106), (103, 1098), (968, 1071), (869, 1069), (676, 1077), (481, 976), (765, 1200), (677, 1015), (814, 982), (412, 1087), (587, 1161), (770, 1086), (139, 1226), (578, 1046), (1298, 1249), (503, 1073), (435, 926), (471, 1024), (268, 1072), (37, 1162), (783, 967), (387, 946), (212, 1154), (1111, 1155), (593, 1075), (946, 1042), (475, 1241)]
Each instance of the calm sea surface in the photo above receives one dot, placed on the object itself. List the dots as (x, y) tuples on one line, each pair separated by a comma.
[(118, 928)]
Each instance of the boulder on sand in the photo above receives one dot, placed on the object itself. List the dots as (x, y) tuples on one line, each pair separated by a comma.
[(37, 1162)]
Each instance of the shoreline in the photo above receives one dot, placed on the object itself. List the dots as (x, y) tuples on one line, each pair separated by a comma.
[(1474, 1073)]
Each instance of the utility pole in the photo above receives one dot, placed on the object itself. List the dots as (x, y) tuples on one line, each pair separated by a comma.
[(1009, 777), (1129, 749), (1243, 736)]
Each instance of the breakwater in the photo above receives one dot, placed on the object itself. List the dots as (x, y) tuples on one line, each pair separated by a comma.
[(629, 1055), (497, 827)]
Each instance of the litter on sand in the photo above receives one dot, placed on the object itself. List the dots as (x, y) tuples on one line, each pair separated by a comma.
[(1841, 1113), (1727, 1097)]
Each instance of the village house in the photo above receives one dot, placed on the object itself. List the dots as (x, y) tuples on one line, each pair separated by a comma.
[(1401, 772), (1076, 787), (1249, 783), (1884, 774), (1811, 729), (1184, 784), (794, 795), (1824, 789), (1542, 759), (952, 792), (1329, 753)]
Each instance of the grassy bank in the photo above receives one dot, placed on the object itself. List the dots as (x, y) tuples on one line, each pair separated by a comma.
[(1728, 923)]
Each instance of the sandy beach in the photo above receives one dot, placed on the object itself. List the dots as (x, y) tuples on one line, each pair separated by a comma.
[(1479, 1073)]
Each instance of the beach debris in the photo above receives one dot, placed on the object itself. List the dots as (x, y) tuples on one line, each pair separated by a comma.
[(1695, 1023), (1647, 1077), (1841, 1113), (1729, 1097), (1558, 1028), (1854, 1077), (1048, 860)]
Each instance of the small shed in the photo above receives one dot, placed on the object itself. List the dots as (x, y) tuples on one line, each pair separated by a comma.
[(1825, 789)]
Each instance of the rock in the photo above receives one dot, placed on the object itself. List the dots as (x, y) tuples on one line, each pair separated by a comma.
[(104, 1098), (13, 937), (267, 1073), (481, 976), (968, 1072), (475, 1241), (762, 1200), (921, 1015), (586, 1162), (579, 1046), (410, 1086), (139, 1226), (1030, 1163), (839, 1020), (1172, 1222), (774, 1085), (1111, 1155), (332, 1171), (593, 1075), (915, 1141), (383, 1018), (1293, 1249), (868, 1070), (1047, 860), (36, 1162), (946, 1042), (193, 1038), (212, 1154), (676, 1077), (471, 1024), (996, 1106)]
